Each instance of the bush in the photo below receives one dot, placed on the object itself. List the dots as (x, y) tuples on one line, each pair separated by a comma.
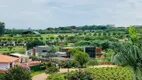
[(79, 75), (17, 73), (37, 68), (82, 58), (68, 64), (50, 68), (1, 76), (56, 76)]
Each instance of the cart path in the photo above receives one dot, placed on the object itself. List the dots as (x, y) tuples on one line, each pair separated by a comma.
[(42, 76)]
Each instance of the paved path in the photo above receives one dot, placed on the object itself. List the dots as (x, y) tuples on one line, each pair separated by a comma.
[(42, 76)]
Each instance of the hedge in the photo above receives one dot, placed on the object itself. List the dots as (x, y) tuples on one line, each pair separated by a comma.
[(37, 68)]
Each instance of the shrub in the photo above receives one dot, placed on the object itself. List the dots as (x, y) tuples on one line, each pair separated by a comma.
[(50, 68), (1, 76), (82, 58), (79, 75), (68, 64), (17, 73), (37, 68)]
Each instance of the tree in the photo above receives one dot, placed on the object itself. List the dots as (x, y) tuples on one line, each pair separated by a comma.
[(82, 58), (2, 28), (130, 55), (34, 43), (17, 73), (133, 34), (74, 51), (109, 55)]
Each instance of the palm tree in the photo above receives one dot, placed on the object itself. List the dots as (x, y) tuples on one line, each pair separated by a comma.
[(130, 55)]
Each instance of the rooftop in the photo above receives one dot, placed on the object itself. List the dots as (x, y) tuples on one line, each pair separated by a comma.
[(7, 59), (18, 55)]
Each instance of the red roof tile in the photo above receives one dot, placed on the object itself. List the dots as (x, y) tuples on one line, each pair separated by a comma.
[(7, 59)]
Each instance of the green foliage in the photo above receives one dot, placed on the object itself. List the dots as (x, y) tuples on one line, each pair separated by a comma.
[(115, 73), (56, 76), (82, 58), (2, 28), (74, 50), (50, 68), (109, 55), (35, 57), (83, 43), (133, 34), (1, 76), (17, 73), (37, 68), (79, 75), (130, 55), (34, 43), (68, 64), (93, 62)]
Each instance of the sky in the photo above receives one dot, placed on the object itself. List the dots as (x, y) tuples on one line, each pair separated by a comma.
[(41, 14)]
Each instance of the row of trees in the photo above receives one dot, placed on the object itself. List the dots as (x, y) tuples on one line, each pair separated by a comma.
[(2, 28), (70, 29)]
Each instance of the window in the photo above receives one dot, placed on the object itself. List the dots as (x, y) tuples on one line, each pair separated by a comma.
[(10, 65), (44, 50)]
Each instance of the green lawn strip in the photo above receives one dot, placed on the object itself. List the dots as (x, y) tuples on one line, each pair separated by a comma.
[(37, 73)]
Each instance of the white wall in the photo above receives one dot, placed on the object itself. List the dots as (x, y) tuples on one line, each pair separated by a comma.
[(4, 66)]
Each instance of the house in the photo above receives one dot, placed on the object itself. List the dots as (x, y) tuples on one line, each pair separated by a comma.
[(39, 50), (65, 50), (22, 58), (7, 62), (93, 51), (61, 54)]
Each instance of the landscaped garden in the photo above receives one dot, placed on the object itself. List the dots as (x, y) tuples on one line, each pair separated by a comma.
[(107, 73), (118, 46)]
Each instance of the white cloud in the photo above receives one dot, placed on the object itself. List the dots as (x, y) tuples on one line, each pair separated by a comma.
[(54, 13)]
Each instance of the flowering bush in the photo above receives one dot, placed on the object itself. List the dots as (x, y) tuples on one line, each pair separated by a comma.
[(26, 67), (17, 73)]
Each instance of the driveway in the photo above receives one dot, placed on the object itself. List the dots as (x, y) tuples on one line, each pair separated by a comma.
[(42, 76)]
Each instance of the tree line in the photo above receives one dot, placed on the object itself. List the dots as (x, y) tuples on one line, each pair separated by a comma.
[(72, 29), (2, 28)]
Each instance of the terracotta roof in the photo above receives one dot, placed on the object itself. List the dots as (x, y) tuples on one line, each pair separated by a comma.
[(7, 59)]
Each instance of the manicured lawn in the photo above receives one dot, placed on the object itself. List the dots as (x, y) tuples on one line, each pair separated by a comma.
[(36, 73)]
